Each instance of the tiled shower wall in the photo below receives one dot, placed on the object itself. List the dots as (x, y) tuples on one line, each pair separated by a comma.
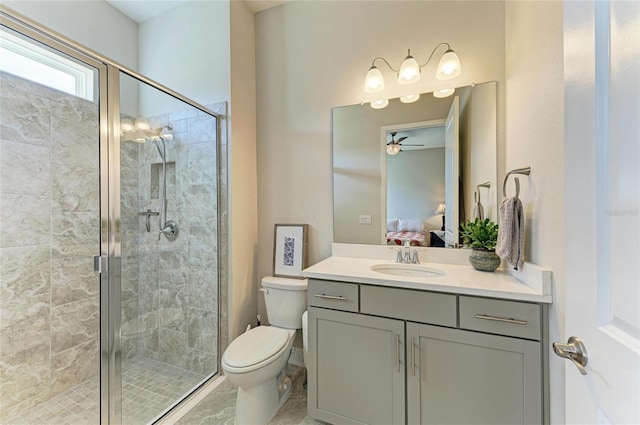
[(49, 231), (170, 300)]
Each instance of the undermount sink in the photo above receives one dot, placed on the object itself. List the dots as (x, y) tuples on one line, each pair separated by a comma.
[(407, 270)]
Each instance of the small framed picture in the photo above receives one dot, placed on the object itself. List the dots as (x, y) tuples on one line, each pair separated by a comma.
[(290, 250)]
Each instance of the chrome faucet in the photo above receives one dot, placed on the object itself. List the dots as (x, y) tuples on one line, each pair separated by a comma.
[(407, 258), (407, 251), (415, 259)]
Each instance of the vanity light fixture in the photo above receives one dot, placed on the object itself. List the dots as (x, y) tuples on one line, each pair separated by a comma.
[(379, 104), (126, 125), (410, 98), (410, 70), (142, 124), (140, 130), (374, 82), (449, 65), (443, 93)]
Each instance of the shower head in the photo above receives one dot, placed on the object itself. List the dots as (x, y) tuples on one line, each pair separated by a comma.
[(161, 150)]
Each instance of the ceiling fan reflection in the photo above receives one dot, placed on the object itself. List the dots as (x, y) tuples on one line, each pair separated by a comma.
[(395, 146)]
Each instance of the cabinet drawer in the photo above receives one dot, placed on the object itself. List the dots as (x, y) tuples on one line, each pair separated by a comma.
[(417, 306), (510, 318), (336, 295)]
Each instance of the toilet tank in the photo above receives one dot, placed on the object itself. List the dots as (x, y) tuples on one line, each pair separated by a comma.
[(286, 300)]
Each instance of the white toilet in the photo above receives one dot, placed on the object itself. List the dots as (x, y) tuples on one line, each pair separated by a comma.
[(256, 361)]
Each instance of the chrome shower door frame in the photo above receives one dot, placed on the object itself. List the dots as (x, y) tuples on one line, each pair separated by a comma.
[(110, 311)]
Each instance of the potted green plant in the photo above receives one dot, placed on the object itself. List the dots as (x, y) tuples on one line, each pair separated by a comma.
[(481, 236)]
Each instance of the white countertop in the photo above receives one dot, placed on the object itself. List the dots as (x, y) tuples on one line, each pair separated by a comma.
[(459, 279)]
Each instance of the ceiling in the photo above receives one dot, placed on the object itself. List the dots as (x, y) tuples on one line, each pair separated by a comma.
[(143, 10)]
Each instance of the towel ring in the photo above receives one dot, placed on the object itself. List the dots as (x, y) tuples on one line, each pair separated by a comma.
[(524, 170), (476, 195)]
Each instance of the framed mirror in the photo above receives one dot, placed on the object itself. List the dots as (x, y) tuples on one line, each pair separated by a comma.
[(414, 170)]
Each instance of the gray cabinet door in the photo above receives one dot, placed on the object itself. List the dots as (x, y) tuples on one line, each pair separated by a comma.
[(356, 368), (466, 377)]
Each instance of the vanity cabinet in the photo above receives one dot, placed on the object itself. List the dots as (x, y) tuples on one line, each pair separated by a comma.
[(388, 355), (462, 377), (359, 375)]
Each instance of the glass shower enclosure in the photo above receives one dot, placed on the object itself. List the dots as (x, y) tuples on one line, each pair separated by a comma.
[(109, 245)]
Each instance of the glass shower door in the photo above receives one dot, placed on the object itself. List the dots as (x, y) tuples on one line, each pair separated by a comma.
[(49, 231), (169, 240)]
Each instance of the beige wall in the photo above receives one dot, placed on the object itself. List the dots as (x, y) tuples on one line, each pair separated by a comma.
[(478, 150), (313, 56), (535, 137), (243, 210)]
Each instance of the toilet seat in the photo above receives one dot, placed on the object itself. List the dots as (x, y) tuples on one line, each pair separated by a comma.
[(253, 349)]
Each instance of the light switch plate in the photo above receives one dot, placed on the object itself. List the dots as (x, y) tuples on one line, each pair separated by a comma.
[(364, 219)]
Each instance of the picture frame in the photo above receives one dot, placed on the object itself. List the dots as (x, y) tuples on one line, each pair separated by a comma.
[(289, 250)]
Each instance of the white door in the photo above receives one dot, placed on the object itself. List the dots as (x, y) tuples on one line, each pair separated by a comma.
[(602, 165), (452, 173)]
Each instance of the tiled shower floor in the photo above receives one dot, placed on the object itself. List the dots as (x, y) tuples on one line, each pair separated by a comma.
[(148, 388)]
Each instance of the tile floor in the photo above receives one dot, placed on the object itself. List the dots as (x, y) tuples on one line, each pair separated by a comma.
[(149, 387), (218, 408)]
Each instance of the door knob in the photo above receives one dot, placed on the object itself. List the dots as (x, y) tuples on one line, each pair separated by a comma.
[(573, 350)]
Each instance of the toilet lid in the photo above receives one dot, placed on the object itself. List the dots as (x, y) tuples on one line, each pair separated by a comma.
[(255, 346)]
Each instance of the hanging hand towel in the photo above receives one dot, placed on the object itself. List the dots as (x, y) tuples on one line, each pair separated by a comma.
[(510, 246), (477, 211)]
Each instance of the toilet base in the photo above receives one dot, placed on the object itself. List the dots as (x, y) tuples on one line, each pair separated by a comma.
[(258, 405)]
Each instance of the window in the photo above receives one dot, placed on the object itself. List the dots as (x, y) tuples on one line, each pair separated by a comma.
[(25, 59)]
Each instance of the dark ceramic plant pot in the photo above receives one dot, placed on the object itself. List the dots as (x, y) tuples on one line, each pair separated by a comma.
[(483, 260)]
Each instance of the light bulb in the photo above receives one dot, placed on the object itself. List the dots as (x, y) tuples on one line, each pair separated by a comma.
[(393, 149), (379, 104), (410, 98), (443, 92), (126, 125), (142, 124), (449, 66), (374, 82), (409, 70)]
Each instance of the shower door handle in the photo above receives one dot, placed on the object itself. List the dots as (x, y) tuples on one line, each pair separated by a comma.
[(100, 263)]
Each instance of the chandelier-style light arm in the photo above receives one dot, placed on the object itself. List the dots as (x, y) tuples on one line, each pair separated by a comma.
[(434, 51), (373, 63)]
